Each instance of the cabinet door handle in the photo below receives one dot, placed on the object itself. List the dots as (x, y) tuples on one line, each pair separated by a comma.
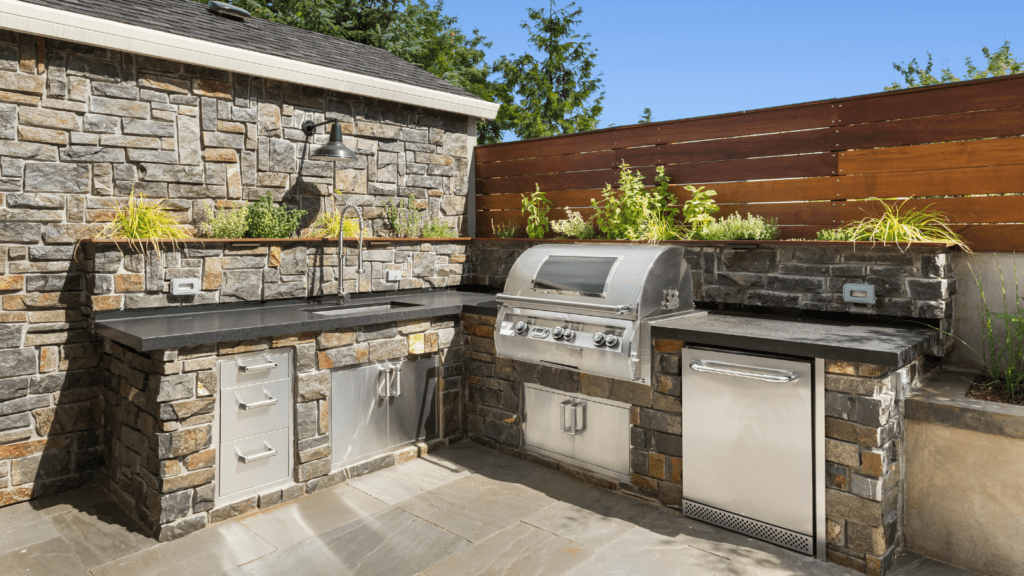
[(396, 375), (578, 424), (268, 365), (561, 411), (270, 401), (383, 383), (269, 452), (765, 374)]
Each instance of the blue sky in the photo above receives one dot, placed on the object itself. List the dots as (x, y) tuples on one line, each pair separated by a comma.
[(685, 59)]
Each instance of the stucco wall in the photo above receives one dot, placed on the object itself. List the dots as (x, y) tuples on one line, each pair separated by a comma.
[(968, 322)]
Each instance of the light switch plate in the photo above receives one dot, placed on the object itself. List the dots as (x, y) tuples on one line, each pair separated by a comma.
[(185, 286), (394, 275), (859, 293)]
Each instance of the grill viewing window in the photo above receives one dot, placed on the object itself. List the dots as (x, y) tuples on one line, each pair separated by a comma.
[(586, 276)]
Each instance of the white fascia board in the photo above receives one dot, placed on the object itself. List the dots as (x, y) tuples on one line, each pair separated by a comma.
[(62, 25)]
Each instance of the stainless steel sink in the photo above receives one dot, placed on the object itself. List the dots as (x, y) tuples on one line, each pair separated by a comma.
[(352, 309)]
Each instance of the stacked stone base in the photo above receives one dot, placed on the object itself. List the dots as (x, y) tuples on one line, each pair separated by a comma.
[(161, 408), (863, 475)]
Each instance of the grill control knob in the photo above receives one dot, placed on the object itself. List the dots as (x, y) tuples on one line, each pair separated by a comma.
[(557, 332), (611, 341), (598, 339), (521, 327), (569, 335)]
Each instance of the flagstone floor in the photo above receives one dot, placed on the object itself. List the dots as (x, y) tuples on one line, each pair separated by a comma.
[(465, 510)]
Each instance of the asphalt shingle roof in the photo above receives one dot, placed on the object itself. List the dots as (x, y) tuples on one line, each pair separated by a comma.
[(194, 20)]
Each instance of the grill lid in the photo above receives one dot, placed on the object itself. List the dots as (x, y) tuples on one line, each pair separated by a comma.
[(603, 279)]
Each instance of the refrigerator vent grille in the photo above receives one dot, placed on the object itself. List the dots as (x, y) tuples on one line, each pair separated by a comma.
[(759, 530)]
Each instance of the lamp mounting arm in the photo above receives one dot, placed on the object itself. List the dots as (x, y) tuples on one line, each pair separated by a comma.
[(309, 128)]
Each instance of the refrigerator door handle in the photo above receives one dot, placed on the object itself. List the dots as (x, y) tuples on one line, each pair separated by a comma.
[(775, 376), (561, 411)]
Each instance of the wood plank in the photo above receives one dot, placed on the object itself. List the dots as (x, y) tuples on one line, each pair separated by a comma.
[(955, 182), (561, 198), (806, 165), (547, 165), (950, 127), (772, 190), (971, 154), (994, 238), (950, 98), (966, 210), (800, 142), (764, 121)]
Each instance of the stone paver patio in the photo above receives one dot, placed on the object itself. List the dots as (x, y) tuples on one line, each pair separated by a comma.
[(464, 510)]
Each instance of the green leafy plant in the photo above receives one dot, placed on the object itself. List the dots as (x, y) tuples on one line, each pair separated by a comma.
[(1003, 347), (326, 226), (143, 222), (698, 210), (835, 235), (633, 212), (900, 225), (736, 227), (437, 229), (535, 208), (227, 223), (264, 220), (574, 226), (404, 220), (504, 229)]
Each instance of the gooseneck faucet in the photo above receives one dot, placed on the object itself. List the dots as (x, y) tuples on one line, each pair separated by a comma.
[(343, 297)]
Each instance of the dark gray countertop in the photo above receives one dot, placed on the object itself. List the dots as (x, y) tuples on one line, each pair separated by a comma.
[(174, 328), (846, 341)]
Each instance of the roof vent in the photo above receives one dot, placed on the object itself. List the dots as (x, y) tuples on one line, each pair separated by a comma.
[(225, 9)]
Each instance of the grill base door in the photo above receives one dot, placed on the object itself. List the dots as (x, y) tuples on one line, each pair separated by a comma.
[(546, 415), (604, 444), (748, 437)]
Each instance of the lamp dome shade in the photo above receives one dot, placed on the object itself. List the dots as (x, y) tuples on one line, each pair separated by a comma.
[(335, 149)]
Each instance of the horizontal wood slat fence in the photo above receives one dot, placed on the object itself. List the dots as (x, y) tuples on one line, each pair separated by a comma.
[(957, 148)]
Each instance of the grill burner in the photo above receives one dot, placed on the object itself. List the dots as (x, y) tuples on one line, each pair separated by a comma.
[(588, 307)]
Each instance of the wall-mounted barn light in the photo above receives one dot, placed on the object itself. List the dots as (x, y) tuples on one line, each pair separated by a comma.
[(335, 149)]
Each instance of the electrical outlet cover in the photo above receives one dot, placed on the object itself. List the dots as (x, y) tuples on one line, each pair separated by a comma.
[(859, 293), (184, 286), (394, 275)]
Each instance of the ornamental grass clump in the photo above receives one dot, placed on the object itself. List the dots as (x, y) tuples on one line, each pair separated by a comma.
[(736, 227), (326, 226), (1003, 345), (574, 226), (900, 226), (143, 223), (505, 229)]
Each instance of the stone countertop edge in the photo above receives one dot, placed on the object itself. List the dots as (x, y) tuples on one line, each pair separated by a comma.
[(942, 400), (137, 332), (863, 343)]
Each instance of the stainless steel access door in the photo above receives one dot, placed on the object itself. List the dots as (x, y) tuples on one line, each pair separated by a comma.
[(748, 438), (359, 412), (548, 416), (413, 411)]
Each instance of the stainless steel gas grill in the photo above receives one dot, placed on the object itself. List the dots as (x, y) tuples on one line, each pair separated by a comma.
[(588, 308)]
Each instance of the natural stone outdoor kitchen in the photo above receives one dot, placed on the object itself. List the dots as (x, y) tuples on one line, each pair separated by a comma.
[(274, 415)]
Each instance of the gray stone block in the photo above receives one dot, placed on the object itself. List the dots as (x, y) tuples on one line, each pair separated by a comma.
[(23, 420), (864, 410), (867, 487), (18, 362), (661, 421), (203, 498), (173, 387), (45, 466), (10, 337), (174, 506), (57, 178), (182, 527)]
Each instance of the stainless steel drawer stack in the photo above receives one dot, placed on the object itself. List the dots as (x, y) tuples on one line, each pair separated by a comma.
[(255, 423)]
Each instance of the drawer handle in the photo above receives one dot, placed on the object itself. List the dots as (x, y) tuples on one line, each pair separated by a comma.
[(267, 365), (270, 401), (777, 376), (269, 452)]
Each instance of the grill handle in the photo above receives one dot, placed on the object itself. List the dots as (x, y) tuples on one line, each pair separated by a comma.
[(620, 309), (779, 377), (561, 410)]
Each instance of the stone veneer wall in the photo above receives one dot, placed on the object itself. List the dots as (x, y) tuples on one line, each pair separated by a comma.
[(82, 126), (914, 283), (160, 412), (863, 429)]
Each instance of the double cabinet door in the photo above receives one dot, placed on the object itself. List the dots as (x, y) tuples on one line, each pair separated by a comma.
[(378, 406), (575, 427)]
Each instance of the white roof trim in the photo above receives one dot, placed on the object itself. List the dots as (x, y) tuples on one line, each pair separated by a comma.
[(72, 27)]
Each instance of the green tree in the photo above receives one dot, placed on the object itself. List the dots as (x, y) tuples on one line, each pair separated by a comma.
[(998, 63), (560, 93), (646, 117)]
